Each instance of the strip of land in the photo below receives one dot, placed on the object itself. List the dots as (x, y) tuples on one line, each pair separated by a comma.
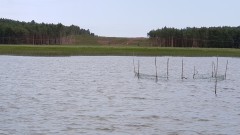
[(74, 50)]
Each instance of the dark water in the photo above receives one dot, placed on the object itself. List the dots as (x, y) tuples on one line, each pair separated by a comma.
[(100, 95)]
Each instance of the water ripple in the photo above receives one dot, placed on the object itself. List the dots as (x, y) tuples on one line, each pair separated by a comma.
[(100, 95)]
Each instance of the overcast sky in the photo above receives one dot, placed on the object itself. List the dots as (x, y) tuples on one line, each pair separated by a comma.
[(125, 18)]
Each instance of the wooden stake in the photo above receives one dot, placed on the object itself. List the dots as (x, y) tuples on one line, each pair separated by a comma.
[(182, 70), (216, 78), (194, 72), (138, 69), (216, 87), (134, 69), (213, 69), (216, 70), (167, 67), (156, 68), (226, 70)]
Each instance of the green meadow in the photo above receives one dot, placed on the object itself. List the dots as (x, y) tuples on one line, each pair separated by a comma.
[(74, 50)]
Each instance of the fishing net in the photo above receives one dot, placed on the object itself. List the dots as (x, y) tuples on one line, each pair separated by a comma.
[(151, 77), (196, 76), (209, 76)]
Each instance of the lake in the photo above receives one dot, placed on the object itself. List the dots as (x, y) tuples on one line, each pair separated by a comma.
[(101, 95)]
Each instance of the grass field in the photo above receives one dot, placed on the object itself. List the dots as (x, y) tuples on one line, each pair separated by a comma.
[(71, 50), (90, 40)]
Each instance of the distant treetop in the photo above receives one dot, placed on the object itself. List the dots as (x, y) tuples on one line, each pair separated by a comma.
[(16, 32), (214, 37)]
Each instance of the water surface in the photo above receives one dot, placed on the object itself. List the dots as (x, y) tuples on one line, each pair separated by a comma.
[(101, 95)]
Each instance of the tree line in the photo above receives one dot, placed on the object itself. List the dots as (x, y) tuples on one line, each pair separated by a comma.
[(211, 37), (16, 32)]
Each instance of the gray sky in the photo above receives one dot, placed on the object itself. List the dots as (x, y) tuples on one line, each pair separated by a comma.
[(125, 18)]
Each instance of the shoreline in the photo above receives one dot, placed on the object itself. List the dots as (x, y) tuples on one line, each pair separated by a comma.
[(96, 50)]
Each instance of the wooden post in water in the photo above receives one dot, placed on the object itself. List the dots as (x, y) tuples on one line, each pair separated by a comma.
[(226, 70), (133, 64), (167, 67), (216, 71), (156, 69), (134, 69), (194, 72), (138, 70), (213, 69), (182, 70)]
